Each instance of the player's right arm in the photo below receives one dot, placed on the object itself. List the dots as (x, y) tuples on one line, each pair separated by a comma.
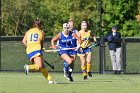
[(24, 40), (55, 39)]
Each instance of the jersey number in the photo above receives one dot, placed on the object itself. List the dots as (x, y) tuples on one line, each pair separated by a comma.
[(34, 37)]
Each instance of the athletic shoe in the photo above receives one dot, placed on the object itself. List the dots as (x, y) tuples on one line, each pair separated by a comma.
[(52, 82), (26, 67), (65, 74), (89, 74), (85, 77), (69, 76)]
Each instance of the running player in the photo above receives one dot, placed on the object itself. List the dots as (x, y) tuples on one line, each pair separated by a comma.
[(64, 39), (33, 40), (85, 53), (74, 44)]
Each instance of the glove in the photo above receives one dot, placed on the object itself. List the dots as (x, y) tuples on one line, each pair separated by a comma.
[(77, 48)]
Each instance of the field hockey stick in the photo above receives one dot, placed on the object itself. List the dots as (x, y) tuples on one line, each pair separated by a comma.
[(94, 45), (56, 50), (53, 50), (52, 66)]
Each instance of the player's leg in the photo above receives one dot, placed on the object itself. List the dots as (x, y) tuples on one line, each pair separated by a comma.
[(83, 66), (82, 55), (39, 61), (74, 58), (33, 67), (65, 68), (72, 65), (67, 58), (88, 59), (32, 56)]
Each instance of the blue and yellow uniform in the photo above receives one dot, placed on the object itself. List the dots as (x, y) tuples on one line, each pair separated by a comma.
[(34, 42), (65, 42), (85, 37)]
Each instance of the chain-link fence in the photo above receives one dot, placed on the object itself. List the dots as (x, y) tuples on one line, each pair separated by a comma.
[(13, 56)]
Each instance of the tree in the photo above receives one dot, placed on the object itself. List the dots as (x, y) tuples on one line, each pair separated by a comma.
[(18, 15), (121, 13)]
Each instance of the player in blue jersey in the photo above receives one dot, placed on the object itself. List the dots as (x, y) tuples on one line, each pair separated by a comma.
[(74, 44), (64, 39)]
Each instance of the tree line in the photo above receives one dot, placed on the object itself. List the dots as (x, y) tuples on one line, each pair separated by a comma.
[(17, 15)]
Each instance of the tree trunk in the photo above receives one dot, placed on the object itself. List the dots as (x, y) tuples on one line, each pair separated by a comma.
[(17, 24)]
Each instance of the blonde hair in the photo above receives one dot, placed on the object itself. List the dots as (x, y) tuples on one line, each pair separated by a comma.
[(71, 20), (84, 22)]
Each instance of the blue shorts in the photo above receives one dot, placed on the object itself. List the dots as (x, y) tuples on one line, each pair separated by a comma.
[(69, 52), (74, 52), (84, 51), (34, 54)]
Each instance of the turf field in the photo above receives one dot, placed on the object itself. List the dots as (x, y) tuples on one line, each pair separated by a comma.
[(15, 82)]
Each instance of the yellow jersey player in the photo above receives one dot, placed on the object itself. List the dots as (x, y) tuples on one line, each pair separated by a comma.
[(85, 51), (33, 40)]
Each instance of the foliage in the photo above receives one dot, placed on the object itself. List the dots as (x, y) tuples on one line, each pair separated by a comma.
[(18, 15), (121, 13)]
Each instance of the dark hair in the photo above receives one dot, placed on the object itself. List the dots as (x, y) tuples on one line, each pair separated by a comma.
[(115, 27), (37, 22)]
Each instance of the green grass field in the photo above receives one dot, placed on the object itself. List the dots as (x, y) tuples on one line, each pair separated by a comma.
[(13, 57), (12, 82)]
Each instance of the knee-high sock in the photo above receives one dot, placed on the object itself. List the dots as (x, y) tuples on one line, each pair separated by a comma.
[(44, 71), (68, 67), (65, 65), (88, 67), (34, 67), (84, 70)]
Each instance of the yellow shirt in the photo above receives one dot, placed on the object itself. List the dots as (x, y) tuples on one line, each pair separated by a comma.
[(34, 38), (85, 37)]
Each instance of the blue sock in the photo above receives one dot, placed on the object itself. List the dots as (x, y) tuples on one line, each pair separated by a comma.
[(65, 65)]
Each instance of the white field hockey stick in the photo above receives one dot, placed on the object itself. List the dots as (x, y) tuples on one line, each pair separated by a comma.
[(93, 45), (56, 50)]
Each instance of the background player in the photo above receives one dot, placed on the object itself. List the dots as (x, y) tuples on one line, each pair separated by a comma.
[(85, 53)]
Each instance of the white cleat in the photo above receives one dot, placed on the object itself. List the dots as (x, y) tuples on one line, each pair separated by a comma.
[(26, 67), (52, 82)]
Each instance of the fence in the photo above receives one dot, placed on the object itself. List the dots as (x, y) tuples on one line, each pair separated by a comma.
[(130, 56), (13, 56)]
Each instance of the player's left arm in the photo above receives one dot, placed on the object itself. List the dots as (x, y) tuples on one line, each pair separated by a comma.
[(96, 43), (54, 39), (24, 40), (94, 37)]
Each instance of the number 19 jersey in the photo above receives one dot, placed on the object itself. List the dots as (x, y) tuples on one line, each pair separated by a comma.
[(34, 38)]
